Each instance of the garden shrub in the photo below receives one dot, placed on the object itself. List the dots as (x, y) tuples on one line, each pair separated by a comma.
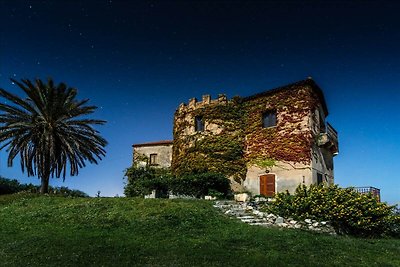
[(142, 181), (202, 184), (348, 211)]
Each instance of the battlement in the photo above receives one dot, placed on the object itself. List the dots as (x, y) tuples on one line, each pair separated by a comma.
[(206, 100)]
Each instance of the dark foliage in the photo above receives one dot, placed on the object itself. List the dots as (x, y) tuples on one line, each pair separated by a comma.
[(43, 129), (142, 181), (8, 186), (202, 184)]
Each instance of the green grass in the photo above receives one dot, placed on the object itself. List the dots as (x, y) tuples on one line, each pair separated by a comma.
[(56, 231)]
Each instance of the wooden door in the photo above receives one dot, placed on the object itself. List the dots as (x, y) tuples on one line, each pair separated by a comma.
[(267, 185)]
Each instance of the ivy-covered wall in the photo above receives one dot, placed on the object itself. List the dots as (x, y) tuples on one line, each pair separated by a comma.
[(219, 148), (291, 139), (234, 137)]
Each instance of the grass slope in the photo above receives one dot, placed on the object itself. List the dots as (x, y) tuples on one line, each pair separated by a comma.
[(56, 231)]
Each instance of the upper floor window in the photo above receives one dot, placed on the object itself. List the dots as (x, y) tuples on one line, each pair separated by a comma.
[(269, 119), (319, 178), (199, 123), (153, 159)]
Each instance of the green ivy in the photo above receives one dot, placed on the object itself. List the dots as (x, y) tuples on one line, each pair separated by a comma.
[(242, 139)]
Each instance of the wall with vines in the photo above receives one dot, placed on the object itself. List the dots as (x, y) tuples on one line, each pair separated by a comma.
[(234, 136), (218, 149)]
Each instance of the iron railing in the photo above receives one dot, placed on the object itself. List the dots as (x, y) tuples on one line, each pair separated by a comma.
[(376, 192)]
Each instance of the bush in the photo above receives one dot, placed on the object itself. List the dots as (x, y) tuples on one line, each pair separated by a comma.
[(349, 212), (11, 186), (202, 184), (142, 181), (8, 186)]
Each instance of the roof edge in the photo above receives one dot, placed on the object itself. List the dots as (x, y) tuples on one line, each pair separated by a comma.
[(157, 143), (307, 82)]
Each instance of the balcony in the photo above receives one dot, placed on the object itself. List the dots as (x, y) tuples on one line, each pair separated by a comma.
[(329, 139), (376, 192)]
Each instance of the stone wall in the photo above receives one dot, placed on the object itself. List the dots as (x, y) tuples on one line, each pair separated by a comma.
[(163, 152), (287, 176)]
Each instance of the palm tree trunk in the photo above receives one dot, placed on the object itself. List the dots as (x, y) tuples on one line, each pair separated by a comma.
[(44, 188)]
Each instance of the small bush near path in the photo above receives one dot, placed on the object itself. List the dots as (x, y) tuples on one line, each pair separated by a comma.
[(348, 211)]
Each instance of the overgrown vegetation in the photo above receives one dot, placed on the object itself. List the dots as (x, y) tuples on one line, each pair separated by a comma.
[(235, 136), (12, 186), (202, 184), (55, 231), (220, 152), (348, 211), (142, 181)]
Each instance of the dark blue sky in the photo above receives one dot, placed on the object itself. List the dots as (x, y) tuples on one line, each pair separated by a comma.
[(138, 60)]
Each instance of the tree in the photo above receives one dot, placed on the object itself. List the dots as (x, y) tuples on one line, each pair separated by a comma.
[(44, 129)]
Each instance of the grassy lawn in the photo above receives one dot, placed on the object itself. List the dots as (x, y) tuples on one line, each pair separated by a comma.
[(56, 231)]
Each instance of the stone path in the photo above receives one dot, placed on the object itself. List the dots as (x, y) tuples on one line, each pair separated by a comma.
[(249, 213)]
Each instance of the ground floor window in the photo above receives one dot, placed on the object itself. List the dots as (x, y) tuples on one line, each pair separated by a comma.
[(153, 159)]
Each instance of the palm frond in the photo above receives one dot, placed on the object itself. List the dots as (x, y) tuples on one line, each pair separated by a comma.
[(49, 129)]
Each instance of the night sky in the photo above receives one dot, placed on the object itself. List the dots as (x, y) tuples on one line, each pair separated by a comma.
[(138, 60)]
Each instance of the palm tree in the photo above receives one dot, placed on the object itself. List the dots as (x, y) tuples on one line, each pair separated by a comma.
[(44, 129)]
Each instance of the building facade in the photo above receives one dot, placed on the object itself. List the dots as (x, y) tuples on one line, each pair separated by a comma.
[(266, 143)]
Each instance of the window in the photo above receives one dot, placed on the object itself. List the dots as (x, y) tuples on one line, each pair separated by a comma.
[(153, 159), (319, 178), (320, 119), (269, 119), (199, 124)]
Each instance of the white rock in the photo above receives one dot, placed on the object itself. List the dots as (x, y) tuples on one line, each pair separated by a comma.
[(243, 197), (315, 224), (279, 220), (293, 222), (308, 221), (228, 212), (209, 198), (323, 223)]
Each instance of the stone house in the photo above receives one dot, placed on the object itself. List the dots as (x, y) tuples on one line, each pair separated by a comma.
[(265, 143)]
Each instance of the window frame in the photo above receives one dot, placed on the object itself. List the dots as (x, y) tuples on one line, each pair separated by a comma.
[(320, 181), (199, 120), (268, 113), (153, 162)]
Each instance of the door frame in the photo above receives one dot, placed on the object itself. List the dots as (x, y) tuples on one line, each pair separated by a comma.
[(275, 181)]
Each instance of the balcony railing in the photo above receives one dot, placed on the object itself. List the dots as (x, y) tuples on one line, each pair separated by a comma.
[(329, 139), (376, 192)]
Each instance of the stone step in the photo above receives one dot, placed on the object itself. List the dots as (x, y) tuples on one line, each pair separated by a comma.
[(261, 224), (246, 217)]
